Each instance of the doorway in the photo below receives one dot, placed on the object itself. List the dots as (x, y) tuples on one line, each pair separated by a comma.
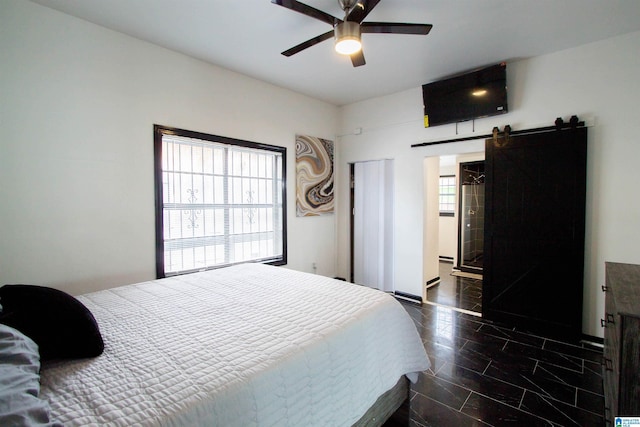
[(456, 287), (372, 237)]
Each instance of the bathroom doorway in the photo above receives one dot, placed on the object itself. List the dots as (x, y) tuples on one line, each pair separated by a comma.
[(453, 287)]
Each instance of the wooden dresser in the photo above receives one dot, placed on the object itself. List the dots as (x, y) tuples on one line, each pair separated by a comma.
[(621, 369)]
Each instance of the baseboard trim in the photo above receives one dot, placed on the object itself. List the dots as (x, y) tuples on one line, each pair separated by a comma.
[(432, 282), (408, 297), (459, 310), (596, 341)]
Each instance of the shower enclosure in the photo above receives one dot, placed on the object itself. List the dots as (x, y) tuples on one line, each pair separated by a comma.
[(471, 225)]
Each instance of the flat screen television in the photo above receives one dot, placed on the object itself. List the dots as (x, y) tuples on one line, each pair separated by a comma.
[(480, 93)]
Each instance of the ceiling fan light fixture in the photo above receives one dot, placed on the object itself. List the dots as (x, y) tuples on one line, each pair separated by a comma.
[(347, 36)]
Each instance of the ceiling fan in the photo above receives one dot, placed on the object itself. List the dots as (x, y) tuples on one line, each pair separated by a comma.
[(347, 32)]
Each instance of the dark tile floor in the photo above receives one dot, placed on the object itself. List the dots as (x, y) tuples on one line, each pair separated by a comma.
[(487, 375), (453, 291)]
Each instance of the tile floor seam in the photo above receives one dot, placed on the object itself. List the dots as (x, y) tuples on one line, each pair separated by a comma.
[(563, 367), (444, 404), (587, 410), (484, 372), (550, 399), (435, 373), (561, 381), (458, 410), (588, 391), (454, 384), (521, 400), (523, 389), (465, 402), (498, 400), (519, 408), (561, 412), (532, 389)]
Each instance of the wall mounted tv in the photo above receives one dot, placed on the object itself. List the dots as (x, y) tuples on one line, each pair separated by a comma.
[(480, 93)]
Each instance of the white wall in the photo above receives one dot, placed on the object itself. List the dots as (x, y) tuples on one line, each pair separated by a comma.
[(597, 82), (430, 223), (78, 104), (448, 225)]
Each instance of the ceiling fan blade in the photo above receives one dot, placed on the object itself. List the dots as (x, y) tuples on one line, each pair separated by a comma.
[(307, 10), (395, 28), (357, 59), (360, 10), (302, 46)]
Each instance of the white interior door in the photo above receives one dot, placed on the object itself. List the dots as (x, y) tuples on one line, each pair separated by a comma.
[(373, 246)]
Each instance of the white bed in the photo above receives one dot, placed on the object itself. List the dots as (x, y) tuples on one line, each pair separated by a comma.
[(248, 345)]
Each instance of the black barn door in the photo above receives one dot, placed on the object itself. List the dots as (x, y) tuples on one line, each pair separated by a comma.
[(534, 231)]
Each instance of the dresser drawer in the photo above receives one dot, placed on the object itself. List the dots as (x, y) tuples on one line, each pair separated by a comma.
[(621, 322), (629, 371)]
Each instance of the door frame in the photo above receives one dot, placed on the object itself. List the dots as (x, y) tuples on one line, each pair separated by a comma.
[(352, 210)]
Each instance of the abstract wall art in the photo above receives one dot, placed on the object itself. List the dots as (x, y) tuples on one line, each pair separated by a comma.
[(314, 176)]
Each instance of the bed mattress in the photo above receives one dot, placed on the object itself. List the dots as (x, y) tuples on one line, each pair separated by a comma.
[(248, 345)]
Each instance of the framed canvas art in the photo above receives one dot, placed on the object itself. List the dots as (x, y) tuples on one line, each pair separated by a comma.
[(314, 176)]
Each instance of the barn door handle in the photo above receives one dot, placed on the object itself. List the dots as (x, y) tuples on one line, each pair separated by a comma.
[(608, 364), (610, 319), (605, 288)]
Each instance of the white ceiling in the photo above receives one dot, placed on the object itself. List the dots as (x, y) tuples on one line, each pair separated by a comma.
[(247, 36)]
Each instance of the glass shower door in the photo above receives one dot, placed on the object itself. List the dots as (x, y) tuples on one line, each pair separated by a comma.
[(471, 217)]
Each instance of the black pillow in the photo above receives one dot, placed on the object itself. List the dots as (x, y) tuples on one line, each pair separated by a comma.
[(61, 325)]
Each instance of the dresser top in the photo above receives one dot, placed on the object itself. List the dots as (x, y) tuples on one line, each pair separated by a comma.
[(624, 281)]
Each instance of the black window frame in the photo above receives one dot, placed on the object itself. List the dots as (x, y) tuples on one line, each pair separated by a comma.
[(159, 131)]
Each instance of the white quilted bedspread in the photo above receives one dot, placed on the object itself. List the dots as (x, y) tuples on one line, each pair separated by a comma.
[(249, 345)]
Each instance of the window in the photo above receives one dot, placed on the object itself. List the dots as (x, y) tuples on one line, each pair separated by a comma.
[(219, 201), (447, 195)]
